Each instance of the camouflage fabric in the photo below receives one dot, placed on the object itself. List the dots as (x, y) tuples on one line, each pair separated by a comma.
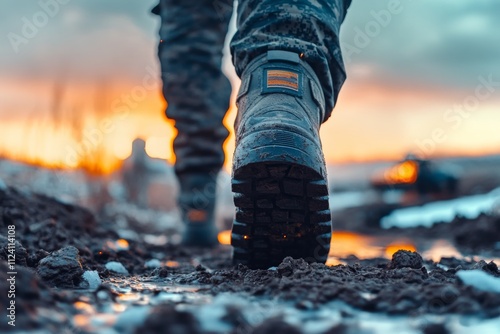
[(193, 33), (307, 27), (190, 51)]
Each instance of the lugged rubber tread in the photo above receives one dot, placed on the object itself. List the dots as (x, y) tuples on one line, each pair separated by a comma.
[(282, 210)]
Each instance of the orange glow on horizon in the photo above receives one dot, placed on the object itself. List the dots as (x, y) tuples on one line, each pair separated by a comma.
[(98, 140)]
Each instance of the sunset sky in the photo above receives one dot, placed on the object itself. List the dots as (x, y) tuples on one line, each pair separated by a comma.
[(423, 76)]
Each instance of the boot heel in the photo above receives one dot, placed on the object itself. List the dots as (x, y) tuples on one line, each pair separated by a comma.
[(282, 203)]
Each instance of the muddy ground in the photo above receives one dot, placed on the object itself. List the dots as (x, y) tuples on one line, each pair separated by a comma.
[(161, 287)]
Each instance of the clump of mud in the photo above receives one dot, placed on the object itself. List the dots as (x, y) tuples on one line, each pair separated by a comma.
[(406, 259)]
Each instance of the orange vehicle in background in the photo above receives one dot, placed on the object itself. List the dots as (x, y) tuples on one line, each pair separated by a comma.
[(422, 176)]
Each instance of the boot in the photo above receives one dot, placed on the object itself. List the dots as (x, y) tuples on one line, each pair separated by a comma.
[(197, 205), (279, 175)]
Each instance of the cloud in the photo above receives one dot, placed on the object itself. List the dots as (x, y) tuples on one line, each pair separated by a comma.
[(86, 40), (445, 43)]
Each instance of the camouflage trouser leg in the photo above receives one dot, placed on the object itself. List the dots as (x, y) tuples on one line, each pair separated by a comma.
[(197, 93), (308, 27)]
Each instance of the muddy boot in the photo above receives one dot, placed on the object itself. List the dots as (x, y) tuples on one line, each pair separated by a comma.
[(197, 206), (279, 173)]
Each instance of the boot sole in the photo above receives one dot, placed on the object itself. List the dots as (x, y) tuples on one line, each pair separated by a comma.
[(281, 199)]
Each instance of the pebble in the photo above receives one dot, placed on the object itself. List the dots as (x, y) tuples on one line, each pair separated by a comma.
[(116, 267), (61, 268), (153, 263)]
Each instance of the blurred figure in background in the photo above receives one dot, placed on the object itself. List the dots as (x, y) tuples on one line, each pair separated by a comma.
[(192, 37), (136, 174), (288, 57)]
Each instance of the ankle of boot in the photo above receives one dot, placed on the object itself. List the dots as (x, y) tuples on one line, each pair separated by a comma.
[(280, 72), (197, 193)]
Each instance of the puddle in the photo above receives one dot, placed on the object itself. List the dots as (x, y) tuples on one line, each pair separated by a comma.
[(132, 302)]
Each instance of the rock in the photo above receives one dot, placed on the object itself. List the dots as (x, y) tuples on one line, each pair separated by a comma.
[(479, 265), (285, 269), (490, 268), (117, 267), (200, 268), (61, 268), (36, 257), (406, 259), (160, 272), (153, 263)]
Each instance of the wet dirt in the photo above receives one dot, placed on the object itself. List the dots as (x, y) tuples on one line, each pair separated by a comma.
[(57, 242)]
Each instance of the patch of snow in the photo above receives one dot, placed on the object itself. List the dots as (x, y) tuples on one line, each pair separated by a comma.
[(92, 278), (348, 199), (116, 267), (153, 263), (443, 211), (483, 326), (480, 280)]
